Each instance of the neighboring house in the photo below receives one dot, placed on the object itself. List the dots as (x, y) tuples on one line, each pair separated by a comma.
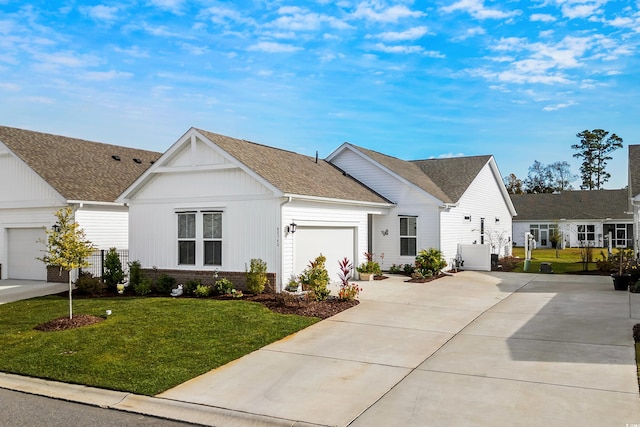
[(578, 218), (41, 173), (634, 190), (447, 204), (213, 202)]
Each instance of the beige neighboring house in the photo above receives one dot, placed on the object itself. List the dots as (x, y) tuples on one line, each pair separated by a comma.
[(594, 217), (41, 173)]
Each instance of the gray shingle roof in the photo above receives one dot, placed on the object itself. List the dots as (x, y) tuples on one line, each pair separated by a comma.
[(294, 173), (594, 204), (445, 179), (634, 170), (78, 169), (453, 175)]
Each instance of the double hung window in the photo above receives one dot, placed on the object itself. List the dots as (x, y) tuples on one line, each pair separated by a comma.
[(200, 238), (408, 236)]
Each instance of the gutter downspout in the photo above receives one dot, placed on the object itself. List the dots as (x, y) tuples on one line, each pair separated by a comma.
[(280, 232)]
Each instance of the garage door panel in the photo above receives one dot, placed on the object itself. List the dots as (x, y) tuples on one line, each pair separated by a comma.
[(334, 243), (24, 249)]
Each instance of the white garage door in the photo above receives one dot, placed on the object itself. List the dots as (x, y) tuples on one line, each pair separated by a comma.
[(334, 243), (24, 248)]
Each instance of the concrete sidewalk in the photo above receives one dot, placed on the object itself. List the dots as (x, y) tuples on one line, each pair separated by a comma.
[(481, 349)]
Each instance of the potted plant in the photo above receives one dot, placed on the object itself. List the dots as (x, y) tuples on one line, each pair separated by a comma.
[(368, 269)]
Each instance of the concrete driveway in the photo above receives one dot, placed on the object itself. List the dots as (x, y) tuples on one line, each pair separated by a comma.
[(16, 290), (482, 349)]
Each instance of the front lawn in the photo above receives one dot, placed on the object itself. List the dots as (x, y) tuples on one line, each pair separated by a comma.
[(146, 346), (567, 261)]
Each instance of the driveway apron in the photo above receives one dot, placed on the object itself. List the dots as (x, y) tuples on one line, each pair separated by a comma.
[(476, 348)]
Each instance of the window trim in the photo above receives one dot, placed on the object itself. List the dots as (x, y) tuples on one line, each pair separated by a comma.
[(413, 237), (199, 241)]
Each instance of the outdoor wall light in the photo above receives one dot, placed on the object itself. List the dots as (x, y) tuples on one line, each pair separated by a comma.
[(55, 227), (291, 228)]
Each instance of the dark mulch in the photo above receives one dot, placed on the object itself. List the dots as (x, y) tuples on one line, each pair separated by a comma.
[(63, 323), (425, 279), (302, 305)]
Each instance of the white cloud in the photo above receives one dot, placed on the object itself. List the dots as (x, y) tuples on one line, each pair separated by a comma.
[(559, 106), (295, 18), (133, 51), (193, 49), (477, 9), (542, 17), (105, 75), (573, 9), (174, 6), (40, 99), (67, 59), (9, 87), (160, 31), (100, 12), (397, 49), (470, 32), (273, 47), (410, 34), (377, 11)]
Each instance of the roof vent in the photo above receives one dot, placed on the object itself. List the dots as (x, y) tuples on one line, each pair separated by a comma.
[(116, 158), (137, 161)]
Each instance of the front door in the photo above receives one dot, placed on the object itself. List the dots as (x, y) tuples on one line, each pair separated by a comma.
[(544, 238)]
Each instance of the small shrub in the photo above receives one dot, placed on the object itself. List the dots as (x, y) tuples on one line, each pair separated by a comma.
[(223, 287), (135, 273), (257, 276), (202, 291), (143, 287), (395, 269), (165, 284), (113, 273), (189, 288), (370, 266), (88, 285), (429, 262), (293, 284), (509, 263), (316, 277), (408, 269), (349, 292)]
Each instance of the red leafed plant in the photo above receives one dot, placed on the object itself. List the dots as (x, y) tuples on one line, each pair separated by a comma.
[(347, 290)]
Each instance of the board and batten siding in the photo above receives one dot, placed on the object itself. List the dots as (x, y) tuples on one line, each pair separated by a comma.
[(21, 187), (482, 199)]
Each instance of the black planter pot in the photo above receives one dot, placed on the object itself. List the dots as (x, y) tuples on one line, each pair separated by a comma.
[(621, 282)]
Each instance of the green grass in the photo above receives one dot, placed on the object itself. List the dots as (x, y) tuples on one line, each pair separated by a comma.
[(567, 261), (146, 346)]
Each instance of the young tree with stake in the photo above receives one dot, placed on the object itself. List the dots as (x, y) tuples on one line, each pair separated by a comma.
[(67, 247)]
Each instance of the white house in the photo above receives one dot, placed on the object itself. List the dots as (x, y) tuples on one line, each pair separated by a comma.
[(41, 173), (213, 202), (576, 217), (458, 205)]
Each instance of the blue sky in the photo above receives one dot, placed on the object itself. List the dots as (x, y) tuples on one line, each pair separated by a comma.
[(412, 79)]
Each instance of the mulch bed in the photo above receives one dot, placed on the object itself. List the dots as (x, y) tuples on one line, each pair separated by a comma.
[(62, 323), (301, 305)]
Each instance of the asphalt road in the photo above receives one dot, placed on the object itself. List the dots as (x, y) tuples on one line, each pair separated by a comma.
[(21, 409)]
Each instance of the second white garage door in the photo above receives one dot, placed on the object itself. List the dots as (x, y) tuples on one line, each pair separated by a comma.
[(335, 243), (24, 248)]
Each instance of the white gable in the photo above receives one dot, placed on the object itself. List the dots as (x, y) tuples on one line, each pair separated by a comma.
[(21, 187)]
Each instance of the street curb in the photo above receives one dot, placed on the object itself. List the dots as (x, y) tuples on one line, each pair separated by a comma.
[(145, 405)]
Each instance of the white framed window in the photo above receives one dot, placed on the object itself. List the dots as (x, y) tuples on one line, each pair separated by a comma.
[(187, 238), (586, 232), (408, 236), (200, 238)]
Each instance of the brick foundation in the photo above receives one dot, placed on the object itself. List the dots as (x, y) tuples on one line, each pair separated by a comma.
[(238, 278), (54, 275)]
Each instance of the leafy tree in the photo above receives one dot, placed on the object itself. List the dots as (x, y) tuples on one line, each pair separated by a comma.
[(561, 176), (67, 247), (513, 184), (594, 149), (539, 179)]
